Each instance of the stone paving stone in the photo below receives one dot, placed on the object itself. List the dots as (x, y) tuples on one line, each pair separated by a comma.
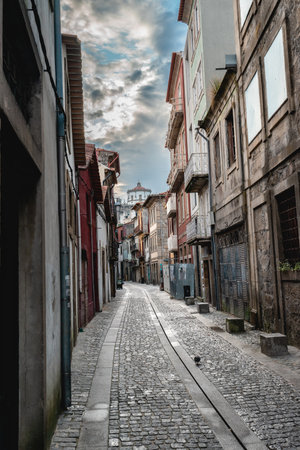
[(268, 404), (147, 395), (84, 360)]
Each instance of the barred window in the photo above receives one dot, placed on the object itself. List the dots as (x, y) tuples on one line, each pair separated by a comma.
[(286, 202)]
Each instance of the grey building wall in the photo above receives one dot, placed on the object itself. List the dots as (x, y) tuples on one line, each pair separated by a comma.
[(34, 310), (272, 158)]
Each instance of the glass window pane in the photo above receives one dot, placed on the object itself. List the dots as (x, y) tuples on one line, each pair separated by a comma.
[(275, 75), (244, 9), (253, 108)]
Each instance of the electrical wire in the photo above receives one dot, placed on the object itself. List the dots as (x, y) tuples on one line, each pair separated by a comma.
[(44, 50)]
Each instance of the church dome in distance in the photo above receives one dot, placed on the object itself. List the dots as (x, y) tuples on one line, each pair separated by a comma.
[(137, 194)]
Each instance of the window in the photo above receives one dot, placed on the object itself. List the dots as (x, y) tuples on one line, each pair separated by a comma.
[(198, 85), (230, 138), (244, 9), (192, 39), (197, 26), (19, 63), (182, 206), (253, 111), (140, 197), (286, 202), (217, 156), (195, 93), (275, 75), (179, 90), (194, 200)]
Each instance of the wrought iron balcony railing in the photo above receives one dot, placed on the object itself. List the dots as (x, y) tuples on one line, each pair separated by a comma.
[(198, 230), (171, 206), (175, 121), (196, 172), (176, 175), (172, 243)]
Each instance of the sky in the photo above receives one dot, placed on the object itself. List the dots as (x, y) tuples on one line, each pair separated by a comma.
[(126, 49)]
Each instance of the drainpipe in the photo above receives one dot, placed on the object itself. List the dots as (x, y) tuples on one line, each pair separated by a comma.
[(213, 242), (64, 250)]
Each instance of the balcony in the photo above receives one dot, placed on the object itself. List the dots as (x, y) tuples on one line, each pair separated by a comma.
[(196, 172), (134, 248), (172, 243), (176, 175), (138, 230), (175, 121), (198, 230), (171, 206), (147, 255)]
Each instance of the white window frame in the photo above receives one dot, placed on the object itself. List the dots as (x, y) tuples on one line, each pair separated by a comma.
[(244, 12), (273, 72), (257, 112)]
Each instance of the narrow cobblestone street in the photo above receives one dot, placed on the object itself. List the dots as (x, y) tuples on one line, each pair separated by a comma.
[(248, 401)]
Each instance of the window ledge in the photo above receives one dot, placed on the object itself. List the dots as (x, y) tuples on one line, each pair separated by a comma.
[(218, 182), (281, 112), (231, 168), (290, 276), (255, 142)]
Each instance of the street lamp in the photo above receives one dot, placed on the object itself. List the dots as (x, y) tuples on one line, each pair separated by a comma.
[(212, 222)]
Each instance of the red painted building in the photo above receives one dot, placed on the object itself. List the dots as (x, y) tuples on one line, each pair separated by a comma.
[(90, 193), (178, 206)]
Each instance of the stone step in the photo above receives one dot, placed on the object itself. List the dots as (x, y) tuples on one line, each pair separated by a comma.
[(189, 301), (273, 344), (234, 325), (203, 308)]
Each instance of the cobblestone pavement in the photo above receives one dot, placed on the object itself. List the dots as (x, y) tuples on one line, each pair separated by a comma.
[(150, 406), (84, 360), (266, 402), (252, 338)]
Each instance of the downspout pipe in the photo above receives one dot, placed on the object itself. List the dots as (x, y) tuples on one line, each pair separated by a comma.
[(213, 241), (64, 249)]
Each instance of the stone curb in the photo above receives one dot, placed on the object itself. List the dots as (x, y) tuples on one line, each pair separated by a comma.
[(95, 422)]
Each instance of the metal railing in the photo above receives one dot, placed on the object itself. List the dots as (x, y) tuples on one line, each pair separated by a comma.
[(197, 166), (172, 243), (198, 229), (147, 255), (176, 117), (171, 205), (178, 164)]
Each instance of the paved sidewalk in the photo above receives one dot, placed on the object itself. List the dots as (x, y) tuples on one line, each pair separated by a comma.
[(84, 361)]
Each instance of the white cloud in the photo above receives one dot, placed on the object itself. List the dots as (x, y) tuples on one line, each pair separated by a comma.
[(126, 47)]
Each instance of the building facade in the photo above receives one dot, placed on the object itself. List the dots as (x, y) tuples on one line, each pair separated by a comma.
[(204, 52), (30, 391), (158, 235), (268, 75), (90, 193), (176, 142), (222, 125)]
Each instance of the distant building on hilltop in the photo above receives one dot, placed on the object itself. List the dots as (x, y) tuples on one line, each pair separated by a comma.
[(137, 194)]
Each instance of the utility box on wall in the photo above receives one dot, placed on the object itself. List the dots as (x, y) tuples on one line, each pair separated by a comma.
[(182, 280)]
